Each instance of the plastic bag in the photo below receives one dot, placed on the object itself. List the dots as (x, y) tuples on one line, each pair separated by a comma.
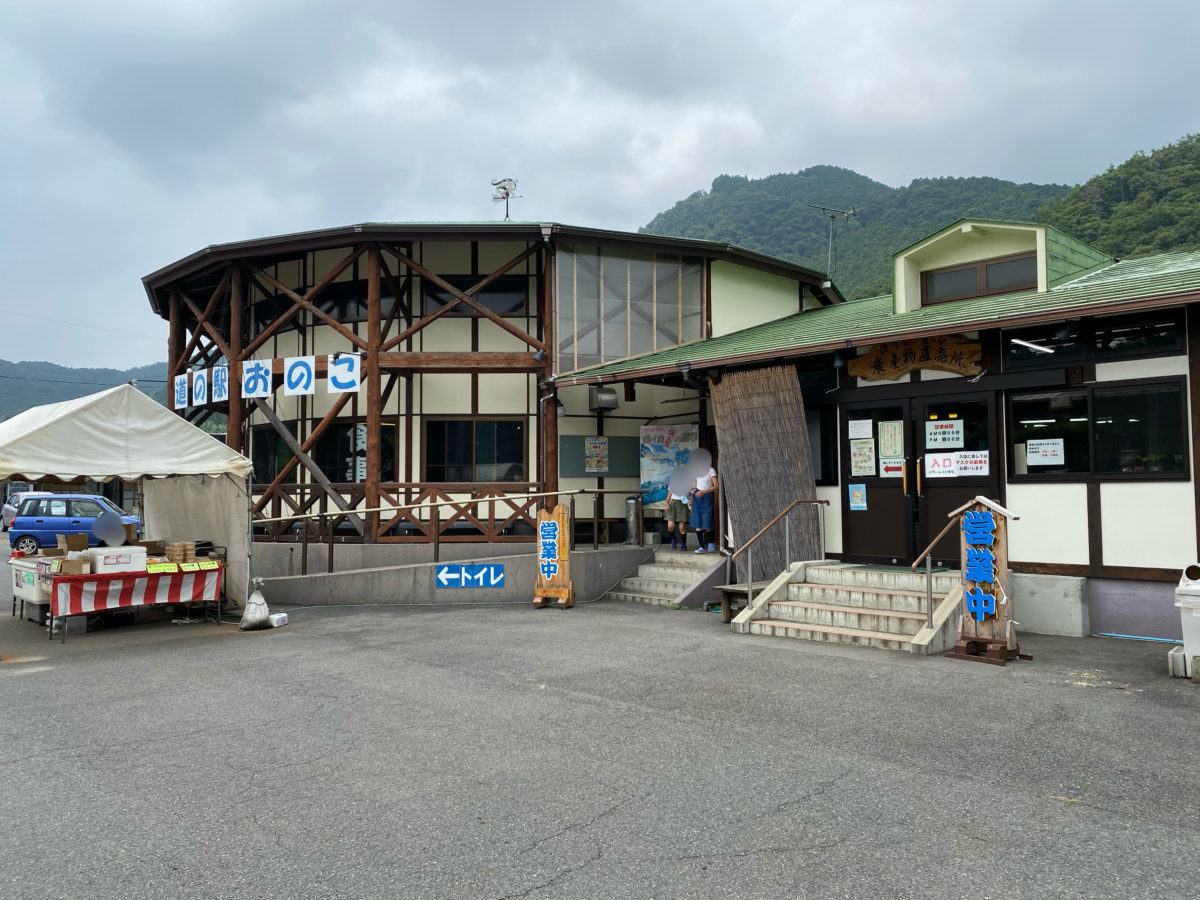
[(257, 615)]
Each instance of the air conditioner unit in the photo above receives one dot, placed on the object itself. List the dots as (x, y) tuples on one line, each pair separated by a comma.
[(601, 398)]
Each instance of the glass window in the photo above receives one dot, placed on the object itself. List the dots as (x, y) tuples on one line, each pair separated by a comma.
[(1050, 433), (507, 295), (1101, 430), (1011, 274), (1139, 428), (269, 454), (475, 450), (86, 508), (613, 303), (987, 276), (1144, 334)]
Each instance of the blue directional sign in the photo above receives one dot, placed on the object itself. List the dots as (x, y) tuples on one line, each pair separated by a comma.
[(469, 575)]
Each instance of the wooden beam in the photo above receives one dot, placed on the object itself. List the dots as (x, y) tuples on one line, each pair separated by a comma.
[(313, 292), (313, 469), (175, 338), (374, 391), (208, 311), (461, 361), (212, 332), (548, 409), (234, 438), (309, 441), (299, 302), (468, 296)]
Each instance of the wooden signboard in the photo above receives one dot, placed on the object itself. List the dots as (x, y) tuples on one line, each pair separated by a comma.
[(948, 353), (986, 634), (553, 559)]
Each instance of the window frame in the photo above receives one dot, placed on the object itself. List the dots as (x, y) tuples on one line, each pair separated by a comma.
[(1086, 331), (427, 420), (981, 288), (1089, 390), (465, 282)]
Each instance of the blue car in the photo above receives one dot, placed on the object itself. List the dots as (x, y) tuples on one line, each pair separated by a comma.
[(40, 520)]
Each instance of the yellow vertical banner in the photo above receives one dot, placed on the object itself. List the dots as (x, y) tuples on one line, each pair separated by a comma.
[(553, 559)]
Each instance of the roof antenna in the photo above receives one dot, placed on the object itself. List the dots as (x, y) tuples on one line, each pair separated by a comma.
[(505, 190), (833, 215)]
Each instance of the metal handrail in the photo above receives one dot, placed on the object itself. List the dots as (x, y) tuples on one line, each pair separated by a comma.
[(927, 555), (749, 550)]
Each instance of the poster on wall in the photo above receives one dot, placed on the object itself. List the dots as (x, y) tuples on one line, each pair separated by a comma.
[(663, 448), (948, 434), (891, 467), (858, 497), (941, 465), (891, 439), (859, 428), (595, 455), (862, 457), (1047, 452), (971, 462)]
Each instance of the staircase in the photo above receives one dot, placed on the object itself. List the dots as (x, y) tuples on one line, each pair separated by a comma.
[(852, 604), (667, 578)]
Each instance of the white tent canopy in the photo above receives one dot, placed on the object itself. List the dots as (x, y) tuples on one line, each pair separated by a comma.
[(198, 485)]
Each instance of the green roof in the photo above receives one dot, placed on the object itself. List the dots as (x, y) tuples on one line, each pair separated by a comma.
[(1153, 281)]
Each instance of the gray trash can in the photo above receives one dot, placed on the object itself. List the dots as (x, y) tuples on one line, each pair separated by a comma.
[(1187, 599), (633, 509)]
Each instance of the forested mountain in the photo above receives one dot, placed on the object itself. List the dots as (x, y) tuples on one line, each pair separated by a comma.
[(773, 215), (1148, 204), (27, 384)]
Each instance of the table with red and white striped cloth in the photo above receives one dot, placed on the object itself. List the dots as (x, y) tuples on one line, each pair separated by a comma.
[(76, 595)]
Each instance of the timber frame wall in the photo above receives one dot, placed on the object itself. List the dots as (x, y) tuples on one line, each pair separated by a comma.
[(211, 330)]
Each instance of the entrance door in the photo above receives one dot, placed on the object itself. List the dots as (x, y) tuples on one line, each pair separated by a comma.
[(906, 465)]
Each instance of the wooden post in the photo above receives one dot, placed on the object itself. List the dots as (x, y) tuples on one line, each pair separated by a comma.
[(374, 394), (234, 437), (550, 411)]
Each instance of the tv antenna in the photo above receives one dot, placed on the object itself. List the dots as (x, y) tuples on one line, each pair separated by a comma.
[(833, 214), (505, 190)]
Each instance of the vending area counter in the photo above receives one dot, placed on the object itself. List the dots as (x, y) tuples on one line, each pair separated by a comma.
[(77, 595)]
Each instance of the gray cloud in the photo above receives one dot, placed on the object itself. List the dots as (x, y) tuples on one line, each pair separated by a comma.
[(139, 132)]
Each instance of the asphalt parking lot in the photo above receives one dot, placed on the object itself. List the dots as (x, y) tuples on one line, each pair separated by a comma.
[(610, 750)]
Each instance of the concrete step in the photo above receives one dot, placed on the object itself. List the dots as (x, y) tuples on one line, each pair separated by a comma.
[(671, 572), (655, 587), (878, 577), (633, 597), (829, 634), (686, 559), (859, 596), (854, 618)]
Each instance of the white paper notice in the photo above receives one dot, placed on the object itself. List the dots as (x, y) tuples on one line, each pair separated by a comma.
[(859, 428), (941, 465), (971, 462), (944, 433), (1048, 452), (862, 457), (891, 467)]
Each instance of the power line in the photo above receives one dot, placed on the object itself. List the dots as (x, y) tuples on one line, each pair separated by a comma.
[(144, 337), (92, 383)]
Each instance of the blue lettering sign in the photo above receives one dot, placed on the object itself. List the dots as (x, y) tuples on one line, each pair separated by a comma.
[(181, 391), (299, 375), (469, 575), (256, 379), (979, 527), (344, 373), (220, 384), (980, 604), (981, 565)]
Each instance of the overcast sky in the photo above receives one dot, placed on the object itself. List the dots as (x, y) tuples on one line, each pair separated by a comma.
[(135, 132)]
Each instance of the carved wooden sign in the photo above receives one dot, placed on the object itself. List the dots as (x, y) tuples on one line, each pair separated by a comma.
[(892, 359), (554, 559)]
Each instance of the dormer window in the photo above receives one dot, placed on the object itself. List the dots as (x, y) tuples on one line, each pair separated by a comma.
[(999, 275)]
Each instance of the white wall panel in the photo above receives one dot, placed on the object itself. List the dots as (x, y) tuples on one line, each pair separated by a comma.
[(1148, 524), (1053, 527)]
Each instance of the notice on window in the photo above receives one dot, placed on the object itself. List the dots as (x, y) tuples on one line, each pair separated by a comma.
[(1045, 452), (859, 428), (595, 455), (941, 465), (971, 462), (862, 457), (946, 434), (891, 467), (858, 497), (891, 439)]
